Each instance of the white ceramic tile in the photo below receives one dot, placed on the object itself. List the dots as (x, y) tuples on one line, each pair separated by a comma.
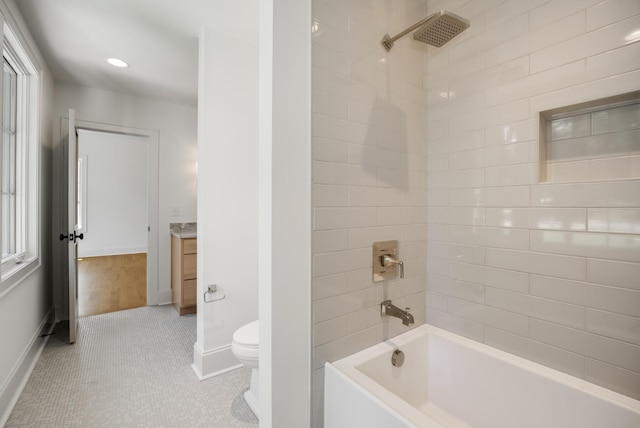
[(329, 196), (330, 240), (373, 196), (341, 218), (330, 105), (327, 286), (334, 173), (613, 299), (619, 83), (343, 304), (341, 261), (466, 160), (537, 218), (589, 44), (464, 197), (515, 239), (437, 265), (512, 133), (437, 301), (327, 331), (365, 237), (466, 235), (620, 380), (330, 150), (437, 232), (325, 81), (540, 83), (455, 324), (552, 11), (544, 264), (466, 253), (617, 119), (610, 11), (489, 316), (612, 168), (453, 288), (360, 279), (535, 307), (614, 220), (509, 10), (576, 171), (512, 175), (512, 196), (329, 59), (358, 112), (550, 356), (615, 273), (599, 245), (437, 198), (625, 59), (614, 194), (491, 37), (613, 325), (622, 354), (389, 216), (564, 28), (456, 216), (344, 346), (364, 319)]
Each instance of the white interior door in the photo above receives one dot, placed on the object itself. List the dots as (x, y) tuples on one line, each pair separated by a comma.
[(72, 225)]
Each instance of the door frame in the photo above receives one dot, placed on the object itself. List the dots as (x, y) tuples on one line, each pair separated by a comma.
[(153, 163)]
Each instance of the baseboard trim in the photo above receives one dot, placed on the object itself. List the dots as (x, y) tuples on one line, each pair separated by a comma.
[(214, 362), (19, 376)]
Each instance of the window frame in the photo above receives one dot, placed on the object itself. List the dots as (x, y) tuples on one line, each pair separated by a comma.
[(28, 85)]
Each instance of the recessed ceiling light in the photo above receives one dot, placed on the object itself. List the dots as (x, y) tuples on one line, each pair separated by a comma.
[(117, 62)]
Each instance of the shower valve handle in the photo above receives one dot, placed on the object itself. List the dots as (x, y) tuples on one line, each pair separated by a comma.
[(388, 260)]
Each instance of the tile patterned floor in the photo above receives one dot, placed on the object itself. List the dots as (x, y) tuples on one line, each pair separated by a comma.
[(129, 369)]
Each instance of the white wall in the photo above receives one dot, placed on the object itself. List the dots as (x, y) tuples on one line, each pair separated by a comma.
[(116, 205), (27, 308), (227, 193), (369, 180), (548, 271), (177, 130)]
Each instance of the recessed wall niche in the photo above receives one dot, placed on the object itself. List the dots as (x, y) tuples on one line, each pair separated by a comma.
[(592, 141)]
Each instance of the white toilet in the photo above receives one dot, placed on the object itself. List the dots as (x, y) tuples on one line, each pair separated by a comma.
[(245, 349)]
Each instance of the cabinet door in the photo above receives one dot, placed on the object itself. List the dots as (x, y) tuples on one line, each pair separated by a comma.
[(189, 292), (190, 245), (189, 268)]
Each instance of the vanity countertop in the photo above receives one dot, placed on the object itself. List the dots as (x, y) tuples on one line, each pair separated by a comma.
[(184, 230)]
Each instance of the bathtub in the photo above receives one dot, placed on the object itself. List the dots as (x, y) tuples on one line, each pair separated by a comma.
[(450, 381)]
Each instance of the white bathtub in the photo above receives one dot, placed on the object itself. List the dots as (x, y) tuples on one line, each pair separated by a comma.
[(448, 380)]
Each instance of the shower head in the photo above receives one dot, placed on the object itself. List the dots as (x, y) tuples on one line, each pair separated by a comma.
[(435, 30)]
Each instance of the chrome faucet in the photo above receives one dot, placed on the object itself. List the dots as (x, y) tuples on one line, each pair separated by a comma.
[(387, 309)]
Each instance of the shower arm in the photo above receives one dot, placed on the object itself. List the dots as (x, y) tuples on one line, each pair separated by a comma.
[(387, 41)]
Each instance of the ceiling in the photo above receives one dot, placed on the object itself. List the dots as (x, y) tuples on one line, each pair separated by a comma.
[(158, 38)]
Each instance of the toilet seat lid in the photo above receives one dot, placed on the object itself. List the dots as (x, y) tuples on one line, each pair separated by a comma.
[(247, 334)]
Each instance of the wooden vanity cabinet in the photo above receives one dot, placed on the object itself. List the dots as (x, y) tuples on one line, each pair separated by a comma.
[(183, 274)]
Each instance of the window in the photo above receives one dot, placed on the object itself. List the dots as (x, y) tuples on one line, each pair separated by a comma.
[(18, 158)]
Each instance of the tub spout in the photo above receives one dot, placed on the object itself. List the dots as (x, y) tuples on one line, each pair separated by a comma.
[(388, 309)]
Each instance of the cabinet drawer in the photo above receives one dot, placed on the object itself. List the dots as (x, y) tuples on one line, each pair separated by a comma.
[(190, 246), (189, 268), (189, 292)]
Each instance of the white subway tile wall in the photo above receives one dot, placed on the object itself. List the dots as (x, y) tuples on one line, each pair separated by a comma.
[(548, 271), (369, 175), (438, 148)]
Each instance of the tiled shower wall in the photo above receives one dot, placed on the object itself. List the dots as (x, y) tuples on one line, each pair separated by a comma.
[(369, 174), (548, 271)]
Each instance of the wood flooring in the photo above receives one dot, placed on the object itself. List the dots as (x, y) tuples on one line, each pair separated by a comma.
[(111, 283)]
